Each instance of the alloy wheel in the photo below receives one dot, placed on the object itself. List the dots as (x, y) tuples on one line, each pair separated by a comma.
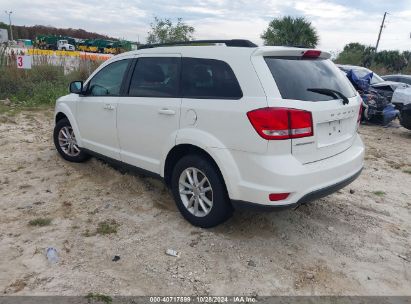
[(67, 141), (196, 192)]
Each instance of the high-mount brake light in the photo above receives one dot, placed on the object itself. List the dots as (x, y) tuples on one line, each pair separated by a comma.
[(281, 123), (312, 54)]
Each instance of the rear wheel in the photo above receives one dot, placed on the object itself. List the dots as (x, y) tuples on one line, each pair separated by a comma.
[(66, 143), (199, 191)]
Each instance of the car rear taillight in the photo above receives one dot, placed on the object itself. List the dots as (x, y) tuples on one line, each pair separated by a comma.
[(311, 54), (278, 196), (359, 114), (281, 123)]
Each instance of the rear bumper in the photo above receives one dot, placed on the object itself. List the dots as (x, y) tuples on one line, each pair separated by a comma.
[(254, 176), (302, 201)]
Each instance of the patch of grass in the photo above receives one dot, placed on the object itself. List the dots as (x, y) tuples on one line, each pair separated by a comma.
[(40, 221), (407, 171), (379, 193), (107, 227), (88, 233), (98, 297)]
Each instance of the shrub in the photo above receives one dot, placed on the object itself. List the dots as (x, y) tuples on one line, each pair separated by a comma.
[(40, 222), (107, 227)]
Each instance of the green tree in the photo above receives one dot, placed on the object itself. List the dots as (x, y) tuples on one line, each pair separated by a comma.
[(357, 54), (392, 60), (291, 32), (164, 31)]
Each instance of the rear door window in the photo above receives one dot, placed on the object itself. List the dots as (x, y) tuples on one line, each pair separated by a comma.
[(156, 77), (209, 79), (295, 75)]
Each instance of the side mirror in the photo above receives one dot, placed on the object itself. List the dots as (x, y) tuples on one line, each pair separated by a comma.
[(76, 87)]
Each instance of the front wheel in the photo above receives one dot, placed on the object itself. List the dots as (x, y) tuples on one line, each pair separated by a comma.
[(66, 143), (199, 191)]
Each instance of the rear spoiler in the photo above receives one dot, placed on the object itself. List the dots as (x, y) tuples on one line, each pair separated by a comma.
[(279, 51)]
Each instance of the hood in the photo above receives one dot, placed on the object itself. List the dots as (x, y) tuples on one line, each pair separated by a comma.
[(392, 84)]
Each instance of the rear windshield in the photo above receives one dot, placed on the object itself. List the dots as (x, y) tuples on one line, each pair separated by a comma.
[(295, 75), (363, 72)]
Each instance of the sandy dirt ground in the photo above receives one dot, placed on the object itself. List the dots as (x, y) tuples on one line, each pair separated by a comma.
[(354, 242)]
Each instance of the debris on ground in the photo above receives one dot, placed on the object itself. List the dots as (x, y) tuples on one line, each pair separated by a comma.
[(403, 257), (52, 256), (251, 263), (172, 253)]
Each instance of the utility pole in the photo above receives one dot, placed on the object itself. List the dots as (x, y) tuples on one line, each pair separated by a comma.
[(11, 30), (379, 34)]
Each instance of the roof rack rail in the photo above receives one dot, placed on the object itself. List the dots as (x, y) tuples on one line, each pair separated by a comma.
[(231, 42)]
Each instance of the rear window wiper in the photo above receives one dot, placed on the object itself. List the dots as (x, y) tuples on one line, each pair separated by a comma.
[(330, 92)]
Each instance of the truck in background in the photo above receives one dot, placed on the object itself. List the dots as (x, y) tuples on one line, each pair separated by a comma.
[(60, 43)]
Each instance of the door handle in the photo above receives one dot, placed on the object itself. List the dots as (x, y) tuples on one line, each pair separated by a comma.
[(167, 112), (108, 106)]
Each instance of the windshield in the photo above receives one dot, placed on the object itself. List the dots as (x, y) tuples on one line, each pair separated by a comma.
[(294, 76), (363, 71)]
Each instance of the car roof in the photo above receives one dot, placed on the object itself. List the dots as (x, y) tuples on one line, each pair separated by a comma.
[(351, 67), (213, 51), (397, 75)]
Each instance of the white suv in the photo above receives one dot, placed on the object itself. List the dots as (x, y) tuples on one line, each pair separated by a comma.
[(225, 125)]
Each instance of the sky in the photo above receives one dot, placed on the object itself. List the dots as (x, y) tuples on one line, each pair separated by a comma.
[(338, 22)]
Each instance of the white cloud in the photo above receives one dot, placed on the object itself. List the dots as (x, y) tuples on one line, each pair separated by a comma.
[(229, 29), (355, 21), (325, 10)]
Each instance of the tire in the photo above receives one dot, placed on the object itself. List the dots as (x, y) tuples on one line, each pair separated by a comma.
[(207, 217), (64, 139)]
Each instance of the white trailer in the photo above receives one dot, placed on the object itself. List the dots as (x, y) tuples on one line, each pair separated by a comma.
[(4, 35)]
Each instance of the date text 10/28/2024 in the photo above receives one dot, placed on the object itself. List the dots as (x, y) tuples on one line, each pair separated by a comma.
[(204, 299)]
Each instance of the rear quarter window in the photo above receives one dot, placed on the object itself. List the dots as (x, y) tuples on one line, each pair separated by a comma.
[(209, 79), (294, 76)]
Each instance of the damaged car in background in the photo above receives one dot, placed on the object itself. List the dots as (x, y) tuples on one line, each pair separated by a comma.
[(377, 83), (401, 98), (375, 93)]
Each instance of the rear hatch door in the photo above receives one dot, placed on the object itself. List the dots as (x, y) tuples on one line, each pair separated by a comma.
[(316, 85)]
